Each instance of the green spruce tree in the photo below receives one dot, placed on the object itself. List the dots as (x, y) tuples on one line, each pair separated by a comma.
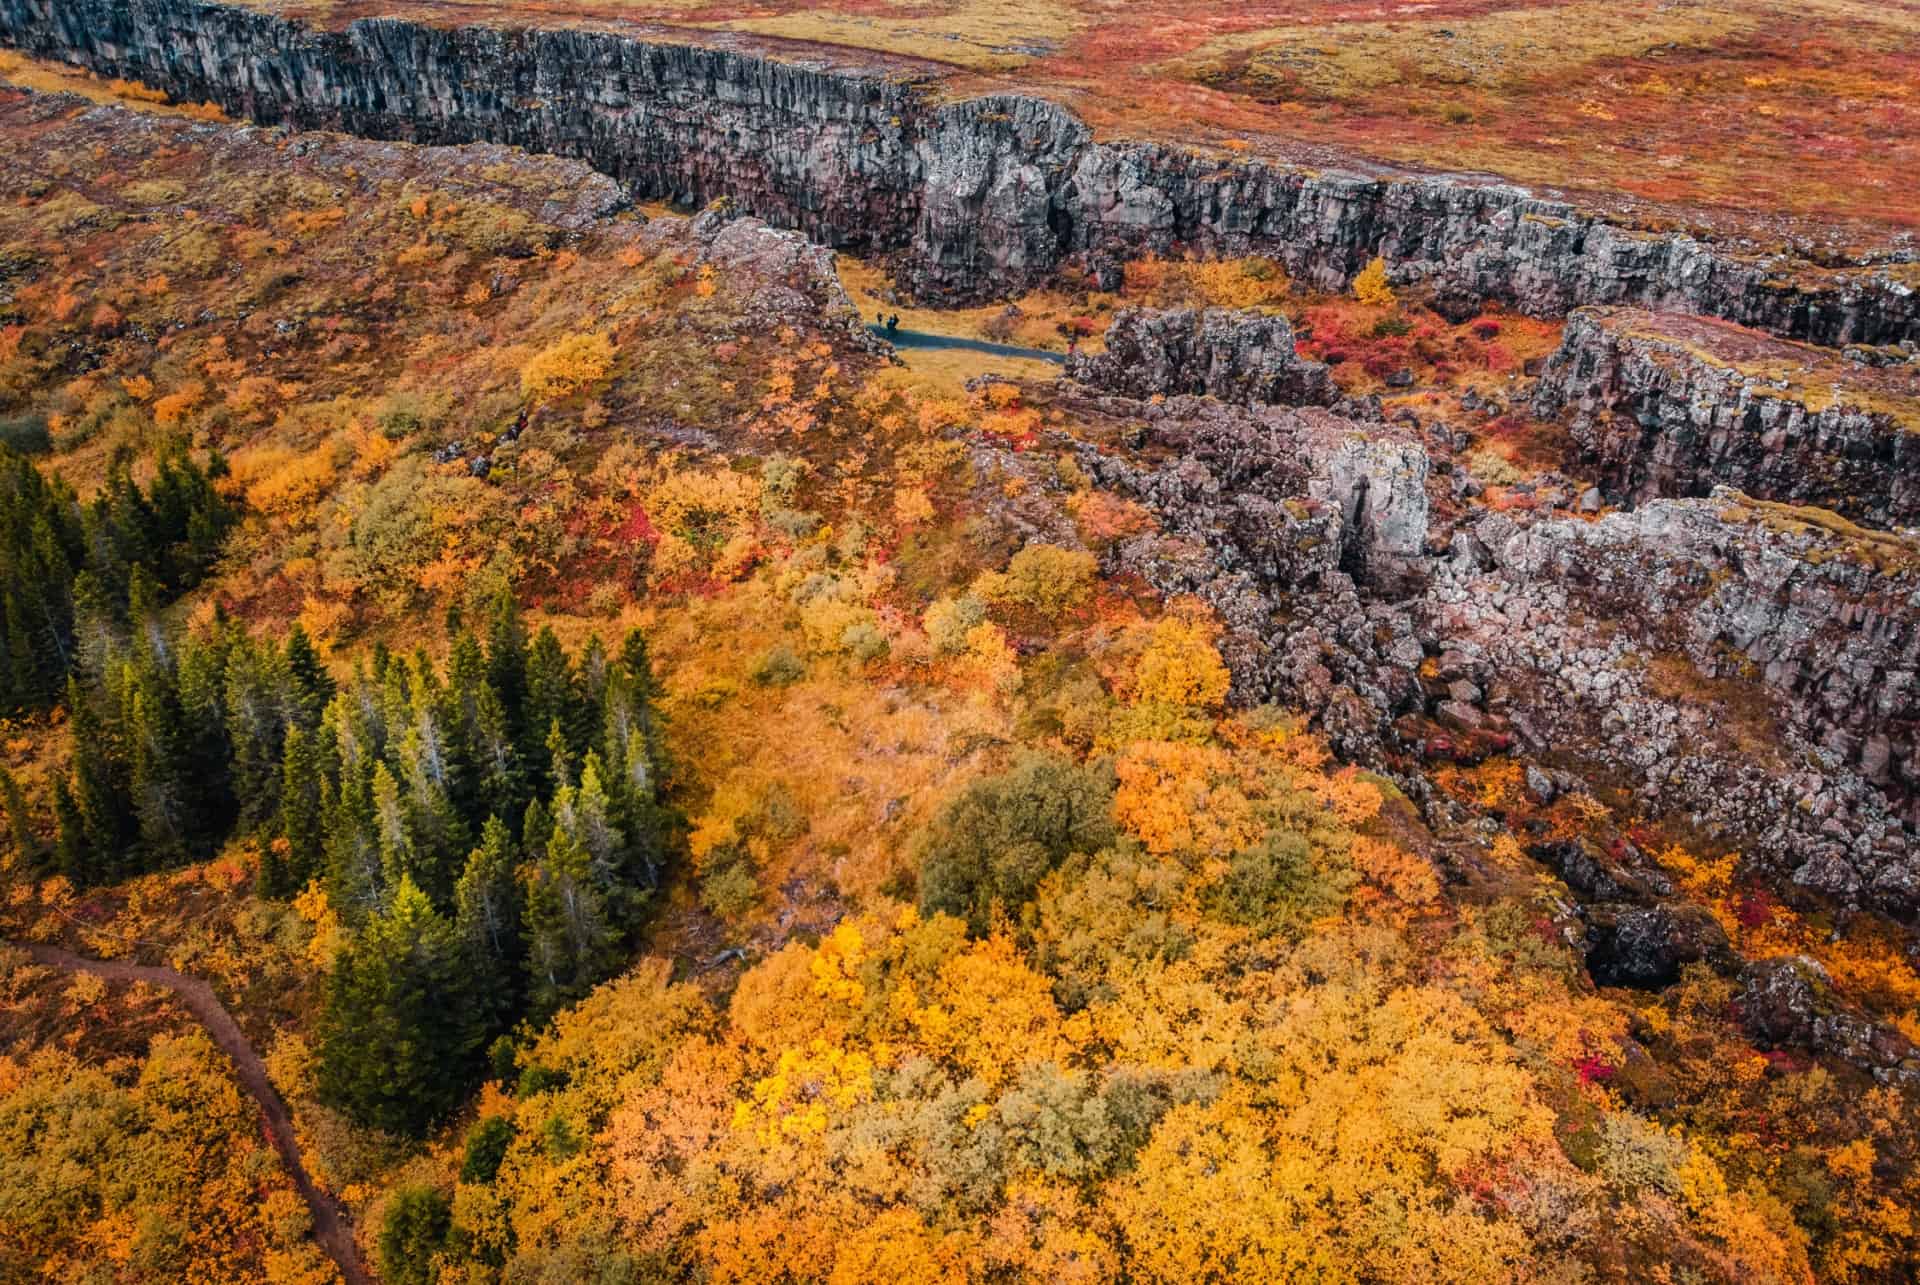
[(398, 1043), (302, 829)]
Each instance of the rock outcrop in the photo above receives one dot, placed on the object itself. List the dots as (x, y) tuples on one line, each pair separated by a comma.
[(1789, 1003), (1647, 946), (1666, 405), (1245, 357), (1754, 664), (1301, 528), (978, 197)]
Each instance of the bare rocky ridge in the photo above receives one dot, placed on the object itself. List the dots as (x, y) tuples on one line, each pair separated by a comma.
[(1673, 406), (979, 198), (1215, 352)]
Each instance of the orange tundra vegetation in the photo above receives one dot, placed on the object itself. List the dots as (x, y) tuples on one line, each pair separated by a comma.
[(982, 931)]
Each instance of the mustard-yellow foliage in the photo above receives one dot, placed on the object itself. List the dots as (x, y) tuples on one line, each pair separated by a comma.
[(1050, 579), (1371, 287), (806, 1088), (1177, 797), (567, 367), (1181, 666), (1241, 283), (282, 482)]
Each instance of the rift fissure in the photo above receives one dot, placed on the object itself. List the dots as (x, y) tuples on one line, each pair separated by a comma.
[(975, 199)]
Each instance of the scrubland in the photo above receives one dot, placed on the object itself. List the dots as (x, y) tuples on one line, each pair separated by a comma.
[(813, 867)]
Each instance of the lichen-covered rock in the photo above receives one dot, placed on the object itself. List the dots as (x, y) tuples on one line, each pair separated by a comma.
[(1594, 875), (796, 278), (1647, 946), (980, 198), (1789, 1003), (1380, 484), (1244, 357), (1667, 405)]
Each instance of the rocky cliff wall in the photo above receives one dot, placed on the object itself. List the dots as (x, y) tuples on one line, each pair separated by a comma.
[(980, 197), (1242, 357), (1661, 413)]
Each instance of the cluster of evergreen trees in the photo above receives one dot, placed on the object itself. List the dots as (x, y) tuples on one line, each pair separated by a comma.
[(175, 741), (493, 834), (488, 831), (61, 561)]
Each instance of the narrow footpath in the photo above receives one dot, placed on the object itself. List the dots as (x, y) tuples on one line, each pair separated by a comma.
[(330, 1227), (927, 339)]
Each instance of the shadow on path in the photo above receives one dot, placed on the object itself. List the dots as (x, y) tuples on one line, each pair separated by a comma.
[(330, 1227)]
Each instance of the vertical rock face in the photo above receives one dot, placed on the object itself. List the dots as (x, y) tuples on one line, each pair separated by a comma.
[(990, 168), (1673, 406), (830, 155), (981, 198), (1381, 487), (1242, 357)]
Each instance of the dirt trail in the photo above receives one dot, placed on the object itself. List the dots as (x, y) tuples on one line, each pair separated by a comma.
[(330, 1227)]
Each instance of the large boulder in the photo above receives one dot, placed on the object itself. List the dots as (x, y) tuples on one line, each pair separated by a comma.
[(1243, 357), (1647, 946), (1789, 1003)]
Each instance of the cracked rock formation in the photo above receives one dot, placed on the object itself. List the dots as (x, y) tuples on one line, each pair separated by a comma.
[(1667, 405), (1755, 664), (1245, 357)]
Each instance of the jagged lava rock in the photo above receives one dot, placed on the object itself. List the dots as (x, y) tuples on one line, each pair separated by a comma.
[(1646, 946), (1790, 1003), (1282, 520), (1237, 356)]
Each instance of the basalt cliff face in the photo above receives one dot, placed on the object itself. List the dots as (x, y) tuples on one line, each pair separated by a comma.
[(1672, 406), (977, 198)]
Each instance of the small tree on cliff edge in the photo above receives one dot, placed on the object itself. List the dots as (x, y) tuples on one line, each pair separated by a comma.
[(1371, 287)]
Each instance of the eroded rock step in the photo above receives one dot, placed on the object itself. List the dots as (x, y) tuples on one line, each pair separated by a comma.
[(980, 198), (1667, 405)]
